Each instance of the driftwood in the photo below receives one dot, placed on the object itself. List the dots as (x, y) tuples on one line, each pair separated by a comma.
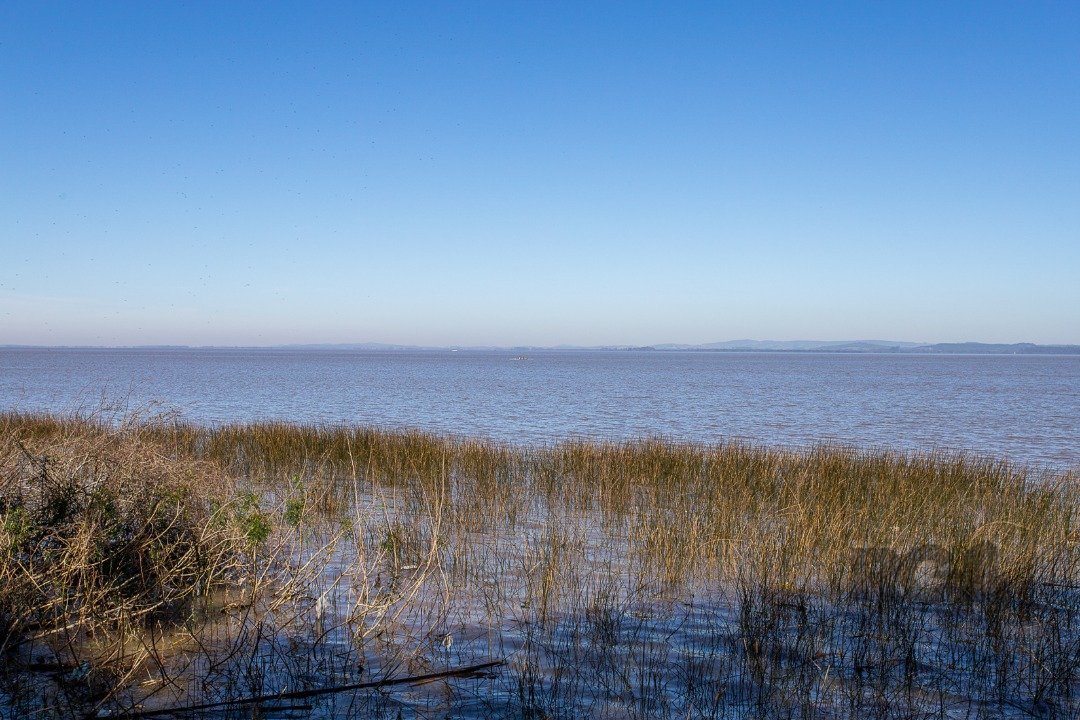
[(301, 694)]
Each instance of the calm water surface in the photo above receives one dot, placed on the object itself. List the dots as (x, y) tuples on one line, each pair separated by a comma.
[(1026, 408)]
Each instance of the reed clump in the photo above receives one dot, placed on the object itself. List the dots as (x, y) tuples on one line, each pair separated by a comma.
[(98, 526)]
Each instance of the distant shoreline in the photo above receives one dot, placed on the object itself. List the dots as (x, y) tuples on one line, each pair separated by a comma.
[(805, 347)]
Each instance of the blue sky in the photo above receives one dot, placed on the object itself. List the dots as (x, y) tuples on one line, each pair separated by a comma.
[(538, 173)]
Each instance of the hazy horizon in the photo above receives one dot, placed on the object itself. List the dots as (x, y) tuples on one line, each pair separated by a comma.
[(538, 174), (420, 346)]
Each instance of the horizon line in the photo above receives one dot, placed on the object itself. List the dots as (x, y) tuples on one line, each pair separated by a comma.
[(744, 344)]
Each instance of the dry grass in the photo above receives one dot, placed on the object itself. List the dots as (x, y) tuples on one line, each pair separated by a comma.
[(647, 578)]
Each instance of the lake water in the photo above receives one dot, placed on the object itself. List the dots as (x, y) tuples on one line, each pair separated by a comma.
[(1025, 408)]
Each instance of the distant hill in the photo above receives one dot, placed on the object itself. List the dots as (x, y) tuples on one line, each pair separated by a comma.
[(880, 346)]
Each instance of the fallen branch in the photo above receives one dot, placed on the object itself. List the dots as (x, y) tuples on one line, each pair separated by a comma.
[(301, 694)]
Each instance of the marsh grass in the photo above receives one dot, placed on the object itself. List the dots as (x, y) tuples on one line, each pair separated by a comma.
[(160, 563)]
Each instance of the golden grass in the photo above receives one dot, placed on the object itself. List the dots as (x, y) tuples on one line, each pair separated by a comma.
[(425, 529)]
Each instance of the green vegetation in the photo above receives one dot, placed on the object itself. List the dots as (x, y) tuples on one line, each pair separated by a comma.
[(157, 564)]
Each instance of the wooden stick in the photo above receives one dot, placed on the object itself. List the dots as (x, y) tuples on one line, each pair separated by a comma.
[(300, 694)]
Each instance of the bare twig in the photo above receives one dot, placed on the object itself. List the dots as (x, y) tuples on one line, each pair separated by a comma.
[(302, 694)]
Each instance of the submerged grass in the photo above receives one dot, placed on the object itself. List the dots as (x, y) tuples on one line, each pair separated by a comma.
[(156, 563)]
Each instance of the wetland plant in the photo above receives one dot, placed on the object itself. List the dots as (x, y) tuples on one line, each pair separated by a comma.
[(150, 564)]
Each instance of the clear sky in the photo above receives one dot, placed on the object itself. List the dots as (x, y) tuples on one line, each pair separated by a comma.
[(538, 172)]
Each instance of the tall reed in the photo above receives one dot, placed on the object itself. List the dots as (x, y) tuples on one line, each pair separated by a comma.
[(650, 578)]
